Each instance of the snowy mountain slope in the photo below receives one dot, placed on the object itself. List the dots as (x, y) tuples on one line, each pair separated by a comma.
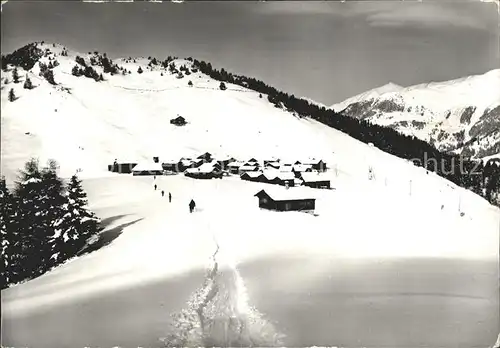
[(125, 291), (86, 124), (460, 116)]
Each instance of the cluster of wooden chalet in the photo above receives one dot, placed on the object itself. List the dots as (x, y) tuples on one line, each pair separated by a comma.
[(306, 173), (270, 171)]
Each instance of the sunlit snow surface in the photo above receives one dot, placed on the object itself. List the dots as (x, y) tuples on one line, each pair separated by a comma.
[(362, 233)]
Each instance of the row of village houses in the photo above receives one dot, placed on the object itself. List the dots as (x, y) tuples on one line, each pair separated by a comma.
[(272, 171)]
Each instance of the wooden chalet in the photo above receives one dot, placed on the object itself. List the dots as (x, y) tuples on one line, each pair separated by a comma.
[(315, 180), (171, 165), (122, 168), (316, 164), (148, 168), (286, 179), (248, 168), (207, 157), (205, 171), (298, 169), (285, 200), (224, 161), (234, 167), (274, 165), (270, 177), (250, 176)]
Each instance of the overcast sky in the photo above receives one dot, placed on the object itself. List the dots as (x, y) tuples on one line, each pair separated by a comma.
[(326, 51)]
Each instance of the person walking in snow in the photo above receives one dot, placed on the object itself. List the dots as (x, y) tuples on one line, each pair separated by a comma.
[(192, 205), (155, 187), (162, 193), (169, 197)]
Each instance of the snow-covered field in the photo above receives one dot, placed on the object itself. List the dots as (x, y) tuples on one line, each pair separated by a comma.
[(404, 260)]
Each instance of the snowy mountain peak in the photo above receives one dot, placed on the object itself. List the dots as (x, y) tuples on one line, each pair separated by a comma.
[(460, 116), (371, 94)]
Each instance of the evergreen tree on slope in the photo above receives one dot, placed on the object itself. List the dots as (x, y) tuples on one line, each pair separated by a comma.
[(77, 224), (10, 273), (32, 226)]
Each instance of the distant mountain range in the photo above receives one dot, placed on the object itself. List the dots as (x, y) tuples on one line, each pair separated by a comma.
[(460, 116)]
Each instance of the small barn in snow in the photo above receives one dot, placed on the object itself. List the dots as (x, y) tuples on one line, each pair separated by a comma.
[(285, 200), (178, 121), (147, 168)]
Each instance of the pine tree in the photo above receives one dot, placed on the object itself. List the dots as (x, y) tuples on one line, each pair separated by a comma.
[(15, 75), (12, 95), (140, 70), (76, 71), (77, 224), (190, 83), (222, 86), (32, 225), (9, 236), (49, 76), (27, 83)]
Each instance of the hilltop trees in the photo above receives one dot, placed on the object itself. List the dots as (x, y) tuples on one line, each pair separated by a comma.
[(25, 57), (44, 222)]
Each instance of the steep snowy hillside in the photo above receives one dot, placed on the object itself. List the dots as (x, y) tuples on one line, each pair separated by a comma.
[(460, 116), (85, 125)]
